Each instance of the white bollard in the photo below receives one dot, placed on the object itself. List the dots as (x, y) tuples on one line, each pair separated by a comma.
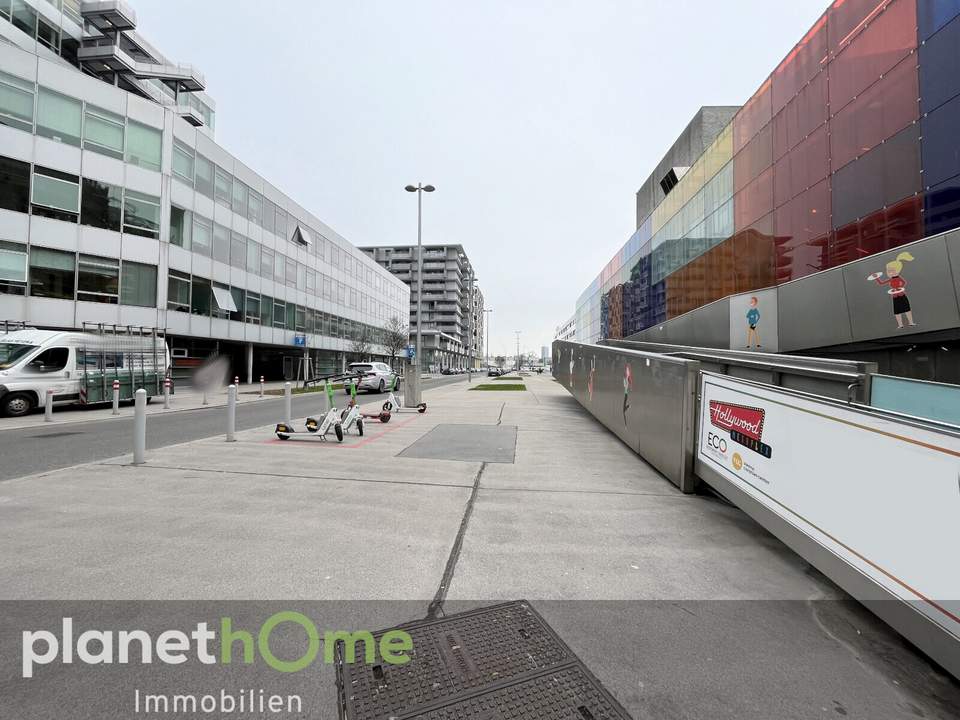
[(261, 386), (231, 413), (48, 407), (287, 404), (236, 380), (140, 427), (166, 393), (116, 397), (205, 398)]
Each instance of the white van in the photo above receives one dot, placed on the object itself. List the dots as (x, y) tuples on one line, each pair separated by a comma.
[(79, 367)]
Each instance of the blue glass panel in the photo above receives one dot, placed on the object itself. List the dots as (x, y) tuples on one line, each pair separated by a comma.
[(942, 207), (941, 150), (940, 67), (934, 14)]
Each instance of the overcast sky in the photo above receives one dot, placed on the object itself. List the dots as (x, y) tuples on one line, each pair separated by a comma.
[(537, 121)]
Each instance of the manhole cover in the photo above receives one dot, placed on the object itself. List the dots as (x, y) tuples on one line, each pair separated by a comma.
[(468, 443), (497, 663)]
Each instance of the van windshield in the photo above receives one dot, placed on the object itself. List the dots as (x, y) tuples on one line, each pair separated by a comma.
[(10, 353)]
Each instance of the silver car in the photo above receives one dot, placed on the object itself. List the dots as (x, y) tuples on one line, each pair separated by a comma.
[(377, 377)]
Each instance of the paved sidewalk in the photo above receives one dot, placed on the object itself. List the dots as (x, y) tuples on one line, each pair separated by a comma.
[(682, 605)]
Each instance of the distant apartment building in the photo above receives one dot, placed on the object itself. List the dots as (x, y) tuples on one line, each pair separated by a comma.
[(452, 304)]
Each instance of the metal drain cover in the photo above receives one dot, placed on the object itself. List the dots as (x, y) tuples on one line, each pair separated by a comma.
[(497, 663)]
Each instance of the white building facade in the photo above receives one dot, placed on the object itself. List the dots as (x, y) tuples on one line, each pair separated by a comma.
[(118, 207)]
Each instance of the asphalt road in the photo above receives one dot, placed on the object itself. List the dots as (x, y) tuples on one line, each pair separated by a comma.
[(37, 449)]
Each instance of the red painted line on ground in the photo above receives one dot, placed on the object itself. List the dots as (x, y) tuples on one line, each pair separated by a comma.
[(366, 439)]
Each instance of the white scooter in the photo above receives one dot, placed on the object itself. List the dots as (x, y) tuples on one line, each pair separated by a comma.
[(330, 419), (393, 404)]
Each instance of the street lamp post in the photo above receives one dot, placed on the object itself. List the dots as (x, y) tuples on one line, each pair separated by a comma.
[(412, 393), (486, 345)]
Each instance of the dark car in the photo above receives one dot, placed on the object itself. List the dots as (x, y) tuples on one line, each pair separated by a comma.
[(494, 372)]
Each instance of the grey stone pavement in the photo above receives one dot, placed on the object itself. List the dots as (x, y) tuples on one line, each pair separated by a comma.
[(681, 605)]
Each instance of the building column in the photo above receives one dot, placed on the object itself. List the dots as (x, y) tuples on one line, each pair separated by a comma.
[(249, 363)]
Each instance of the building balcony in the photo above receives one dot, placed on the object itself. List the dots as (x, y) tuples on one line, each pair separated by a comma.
[(106, 53), (109, 15)]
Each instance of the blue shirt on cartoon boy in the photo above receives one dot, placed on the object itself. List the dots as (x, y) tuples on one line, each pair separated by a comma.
[(753, 317)]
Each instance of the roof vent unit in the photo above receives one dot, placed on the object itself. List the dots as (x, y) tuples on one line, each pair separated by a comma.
[(670, 180)]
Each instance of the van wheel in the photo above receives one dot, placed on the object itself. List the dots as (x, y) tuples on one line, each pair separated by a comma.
[(17, 404)]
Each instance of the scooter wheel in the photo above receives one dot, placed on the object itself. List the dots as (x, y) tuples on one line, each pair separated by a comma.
[(387, 406), (385, 416), (343, 413), (338, 429), (359, 427), (312, 425), (422, 408), (282, 436)]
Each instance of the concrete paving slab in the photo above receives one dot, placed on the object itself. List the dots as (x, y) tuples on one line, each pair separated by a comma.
[(466, 443)]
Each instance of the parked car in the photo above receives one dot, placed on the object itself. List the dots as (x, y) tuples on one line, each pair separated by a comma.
[(448, 371), (377, 377), (494, 372)]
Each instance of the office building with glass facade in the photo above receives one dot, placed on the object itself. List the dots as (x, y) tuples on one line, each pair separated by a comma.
[(849, 147), (118, 207)]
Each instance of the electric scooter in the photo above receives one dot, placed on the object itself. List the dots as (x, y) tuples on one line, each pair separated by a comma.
[(394, 405), (351, 414), (330, 419)]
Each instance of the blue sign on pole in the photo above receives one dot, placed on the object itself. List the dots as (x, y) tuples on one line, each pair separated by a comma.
[(411, 352), (300, 340)]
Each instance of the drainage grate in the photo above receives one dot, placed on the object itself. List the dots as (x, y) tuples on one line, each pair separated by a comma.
[(494, 663)]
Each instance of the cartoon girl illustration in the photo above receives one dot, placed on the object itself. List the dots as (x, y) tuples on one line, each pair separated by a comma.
[(593, 368), (753, 319), (627, 387), (571, 368), (898, 289)]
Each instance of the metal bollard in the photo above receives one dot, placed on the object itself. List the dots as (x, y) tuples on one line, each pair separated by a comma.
[(116, 397), (205, 398), (287, 404), (261, 386), (231, 413), (140, 427), (166, 393), (48, 407)]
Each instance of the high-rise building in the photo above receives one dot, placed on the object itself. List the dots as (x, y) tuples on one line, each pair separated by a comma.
[(847, 152), (118, 207), (452, 304)]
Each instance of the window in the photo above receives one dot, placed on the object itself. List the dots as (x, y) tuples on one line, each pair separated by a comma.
[(300, 324), (183, 162), (13, 268), (253, 308), (239, 198), (221, 244), (266, 310), (279, 314), (280, 222), (278, 266), (56, 194), (223, 188), (101, 205), (291, 319), (144, 146), (16, 102), (238, 251), (14, 185), (141, 214), (48, 34), (138, 285), (238, 304), (204, 175), (52, 273), (202, 235), (98, 279), (266, 263), (291, 274), (268, 215), (253, 257), (254, 207), (103, 132), (178, 292), (52, 360), (180, 227), (59, 117), (311, 282), (200, 296), (24, 17)]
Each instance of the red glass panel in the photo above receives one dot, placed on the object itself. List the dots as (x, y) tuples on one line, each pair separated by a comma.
[(804, 218), (885, 108), (880, 231), (802, 168), (844, 245), (754, 201), (801, 116), (755, 114), (753, 159), (803, 62), (880, 46), (753, 256), (847, 18)]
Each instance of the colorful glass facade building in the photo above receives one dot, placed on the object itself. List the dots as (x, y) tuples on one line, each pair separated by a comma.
[(850, 147)]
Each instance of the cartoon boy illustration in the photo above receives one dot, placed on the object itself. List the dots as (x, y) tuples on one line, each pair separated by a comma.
[(627, 386), (753, 319), (593, 368), (571, 368), (898, 289)]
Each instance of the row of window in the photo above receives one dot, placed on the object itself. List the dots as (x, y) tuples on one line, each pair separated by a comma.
[(198, 296), (62, 196), (192, 231), (69, 276), (64, 119), (27, 19)]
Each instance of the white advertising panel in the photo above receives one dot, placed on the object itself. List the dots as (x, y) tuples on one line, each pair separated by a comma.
[(882, 495)]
